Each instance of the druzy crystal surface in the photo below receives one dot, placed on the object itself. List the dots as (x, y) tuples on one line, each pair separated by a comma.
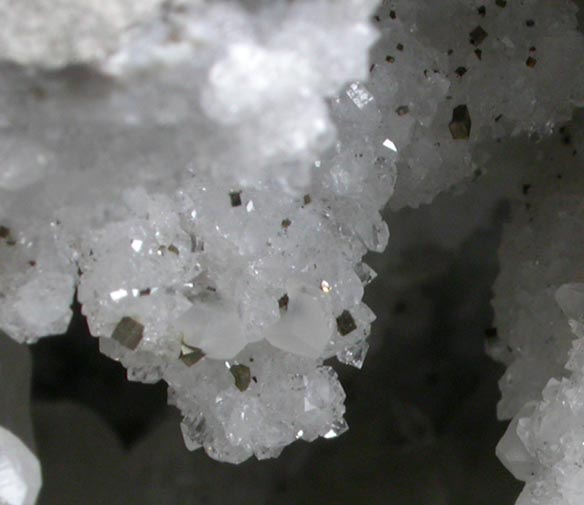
[(205, 178), (178, 176)]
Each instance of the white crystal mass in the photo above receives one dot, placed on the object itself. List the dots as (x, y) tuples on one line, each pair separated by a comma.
[(172, 182), (20, 472), (206, 177)]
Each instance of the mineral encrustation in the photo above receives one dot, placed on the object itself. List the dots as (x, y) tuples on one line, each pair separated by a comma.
[(205, 178)]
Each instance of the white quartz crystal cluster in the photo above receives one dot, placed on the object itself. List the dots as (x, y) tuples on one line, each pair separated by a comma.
[(539, 307), (206, 177), (544, 443), (452, 76), (176, 184)]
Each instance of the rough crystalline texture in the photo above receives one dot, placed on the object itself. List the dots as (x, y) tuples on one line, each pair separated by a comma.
[(544, 444), (53, 34), (540, 252), (208, 176), (434, 58), (539, 306), (175, 184)]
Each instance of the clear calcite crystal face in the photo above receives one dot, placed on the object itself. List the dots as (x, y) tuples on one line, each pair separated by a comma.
[(214, 328), (305, 326)]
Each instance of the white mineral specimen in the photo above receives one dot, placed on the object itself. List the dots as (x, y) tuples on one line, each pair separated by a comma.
[(544, 446), (305, 327), (20, 472), (499, 59), (180, 185), (259, 76), (207, 176), (539, 306), (55, 33), (540, 252)]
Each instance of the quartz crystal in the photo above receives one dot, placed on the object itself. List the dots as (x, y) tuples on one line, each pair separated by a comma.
[(164, 165), (539, 307), (205, 178), (434, 58)]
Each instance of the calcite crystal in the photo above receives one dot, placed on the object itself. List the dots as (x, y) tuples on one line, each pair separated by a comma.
[(54, 34), (179, 182), (539, 303), (434, 57)]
